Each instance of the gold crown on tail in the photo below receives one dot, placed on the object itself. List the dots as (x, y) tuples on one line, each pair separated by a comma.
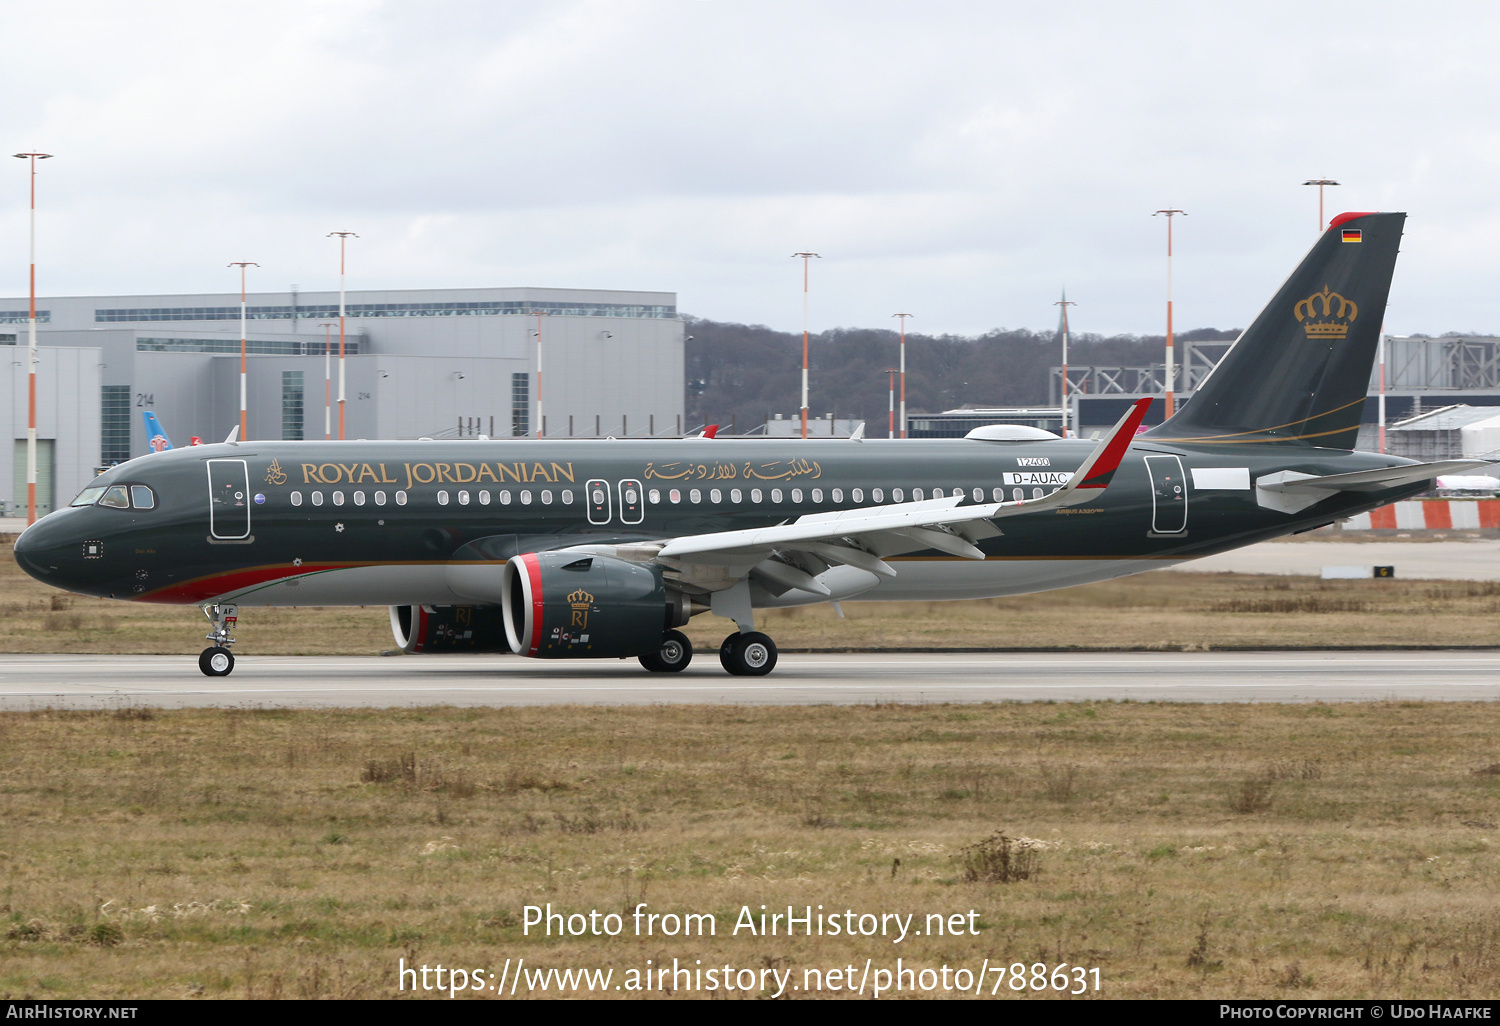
[(1326, 314), (580, 599)]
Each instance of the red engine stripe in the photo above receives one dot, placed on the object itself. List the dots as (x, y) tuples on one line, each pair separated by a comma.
[(534, 575), (421, 628)]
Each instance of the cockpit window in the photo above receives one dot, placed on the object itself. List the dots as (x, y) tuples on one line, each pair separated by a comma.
[(116, 498), (142, 497), (88, 496)]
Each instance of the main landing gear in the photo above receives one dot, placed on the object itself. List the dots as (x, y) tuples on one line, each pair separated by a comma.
[(748, 654), (675, 653), (217, 660)]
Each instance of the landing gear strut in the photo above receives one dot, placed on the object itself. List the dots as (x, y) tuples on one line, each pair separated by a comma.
[(217, 660), (675, 653), (748, 654)]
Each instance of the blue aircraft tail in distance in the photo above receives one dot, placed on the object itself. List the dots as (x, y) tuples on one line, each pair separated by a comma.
[(156, 438)]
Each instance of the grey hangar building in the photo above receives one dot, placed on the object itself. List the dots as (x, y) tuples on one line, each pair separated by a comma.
[(437, 363)]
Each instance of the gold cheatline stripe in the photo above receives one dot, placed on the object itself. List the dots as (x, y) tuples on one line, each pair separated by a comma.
[(1278, 427)]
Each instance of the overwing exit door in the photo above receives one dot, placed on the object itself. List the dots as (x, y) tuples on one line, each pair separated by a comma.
[(632, 502), (596, 493), (1168, 495)]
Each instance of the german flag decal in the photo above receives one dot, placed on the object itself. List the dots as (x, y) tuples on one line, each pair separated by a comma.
[(1353, 235)]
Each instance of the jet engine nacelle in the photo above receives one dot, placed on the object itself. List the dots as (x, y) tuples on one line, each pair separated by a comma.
[(449, 629), (560, 605)]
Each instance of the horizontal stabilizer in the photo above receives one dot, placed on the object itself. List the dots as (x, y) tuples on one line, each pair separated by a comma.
[(1370, 480), (1291, 492)]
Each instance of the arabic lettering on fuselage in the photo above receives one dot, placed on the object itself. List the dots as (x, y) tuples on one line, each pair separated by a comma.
[(777, 470)]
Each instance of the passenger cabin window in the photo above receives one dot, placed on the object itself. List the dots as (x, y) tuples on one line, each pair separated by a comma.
[(735, 495), (695, 496), (716, 495), (775, 494), (88, 496), (141, 497), (116, 498), (755, 495), (878, 495), (838, 495), (858, 495)]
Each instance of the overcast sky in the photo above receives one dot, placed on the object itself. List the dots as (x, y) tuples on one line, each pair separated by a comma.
[(958, 160)]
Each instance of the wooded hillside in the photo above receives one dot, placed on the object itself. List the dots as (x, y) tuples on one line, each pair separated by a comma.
[(743, 373)]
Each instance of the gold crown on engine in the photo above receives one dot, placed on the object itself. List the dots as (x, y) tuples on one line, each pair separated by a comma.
[(1327, 314), (580, 599)]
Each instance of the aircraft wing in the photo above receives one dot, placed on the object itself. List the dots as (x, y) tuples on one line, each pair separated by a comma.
[(794, 553)]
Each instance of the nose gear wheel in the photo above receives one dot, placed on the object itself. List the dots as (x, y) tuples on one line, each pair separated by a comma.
[(216, 662)]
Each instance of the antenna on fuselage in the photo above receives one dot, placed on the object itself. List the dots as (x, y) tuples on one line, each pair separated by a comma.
[(234, 436)]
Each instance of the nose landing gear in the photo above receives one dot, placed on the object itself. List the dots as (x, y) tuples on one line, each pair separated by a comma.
[(217, 660)]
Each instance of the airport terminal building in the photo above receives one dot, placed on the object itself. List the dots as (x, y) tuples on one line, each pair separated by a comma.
[(419, 362)]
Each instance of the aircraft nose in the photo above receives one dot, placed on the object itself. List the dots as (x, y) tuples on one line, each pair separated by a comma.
[(39, 551)]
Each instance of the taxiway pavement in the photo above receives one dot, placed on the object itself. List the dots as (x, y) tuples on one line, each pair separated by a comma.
[(94, 682)]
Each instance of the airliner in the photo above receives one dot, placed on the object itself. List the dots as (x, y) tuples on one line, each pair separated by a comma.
[(601, 549)]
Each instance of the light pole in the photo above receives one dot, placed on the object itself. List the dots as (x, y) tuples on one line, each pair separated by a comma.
[(1063, 327), (31, 354), (805, 258), (327, 327), (903, 317), (1320, 183), (540, 421), (1170, 369), (343, 238), (891, 397), (242, 264)]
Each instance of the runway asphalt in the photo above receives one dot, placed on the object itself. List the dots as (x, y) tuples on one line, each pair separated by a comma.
[(1470, 560), (94, 682)]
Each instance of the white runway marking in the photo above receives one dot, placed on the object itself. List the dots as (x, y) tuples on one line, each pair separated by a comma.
[(31, 682)]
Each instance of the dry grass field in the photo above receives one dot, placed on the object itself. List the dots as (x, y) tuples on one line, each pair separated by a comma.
[(1152, 611), (1186, 851)]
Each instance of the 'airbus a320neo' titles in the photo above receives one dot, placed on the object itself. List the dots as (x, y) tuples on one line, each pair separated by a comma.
[(603, 548)]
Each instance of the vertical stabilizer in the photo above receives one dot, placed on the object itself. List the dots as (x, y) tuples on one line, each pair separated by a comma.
[(1299, 374), (156, 437)]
